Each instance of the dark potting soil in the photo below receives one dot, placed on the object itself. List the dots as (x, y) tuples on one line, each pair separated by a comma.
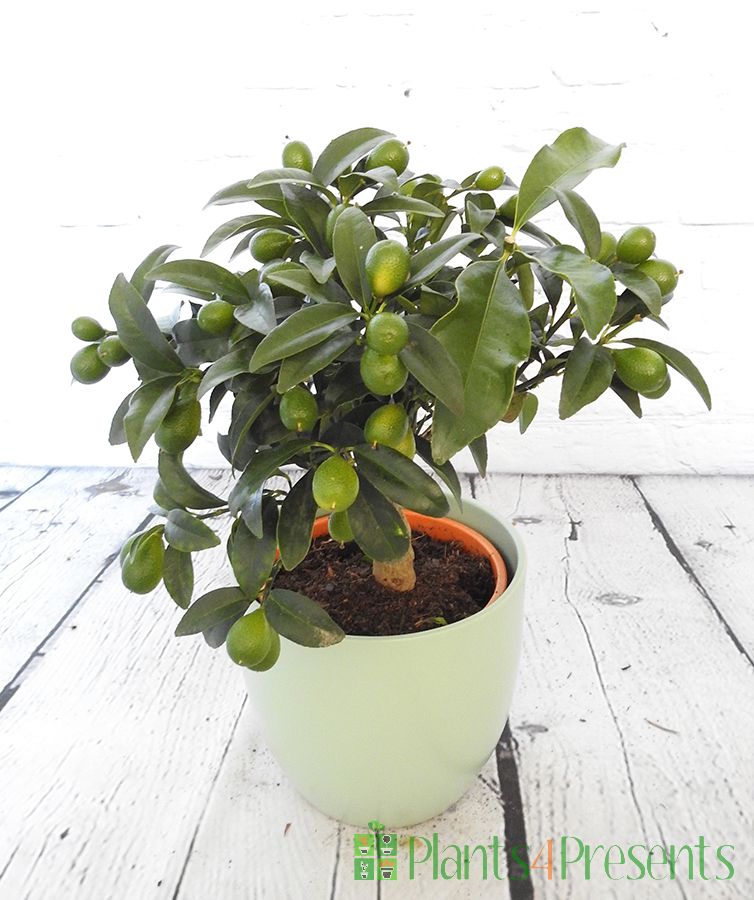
[(451, 584)]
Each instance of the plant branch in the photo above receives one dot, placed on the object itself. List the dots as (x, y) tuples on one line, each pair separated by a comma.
[(608, 336), (539, 378), (564, 318)]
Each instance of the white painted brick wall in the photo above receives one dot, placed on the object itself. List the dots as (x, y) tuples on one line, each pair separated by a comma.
[(119, 122)]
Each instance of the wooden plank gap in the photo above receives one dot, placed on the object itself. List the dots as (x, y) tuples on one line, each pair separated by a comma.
[(598, 671), (334, 879), (521, 888), (11, 688), (619, 730), (676, 553), (26, 490), (491, 787), (214, 781), (10, 860), (678, 881)]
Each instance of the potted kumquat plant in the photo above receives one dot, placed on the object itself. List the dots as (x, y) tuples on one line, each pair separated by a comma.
[(373, 323)]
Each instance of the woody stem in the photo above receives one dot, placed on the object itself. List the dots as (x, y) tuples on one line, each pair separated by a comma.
[(398, 574)]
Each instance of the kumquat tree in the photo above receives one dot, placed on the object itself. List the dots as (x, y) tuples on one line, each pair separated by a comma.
[(372, 323)]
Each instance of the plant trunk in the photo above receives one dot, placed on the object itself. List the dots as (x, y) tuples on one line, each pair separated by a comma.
[(398, 574)]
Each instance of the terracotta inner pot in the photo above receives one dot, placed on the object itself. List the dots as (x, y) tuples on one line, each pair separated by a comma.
[(449, 530)]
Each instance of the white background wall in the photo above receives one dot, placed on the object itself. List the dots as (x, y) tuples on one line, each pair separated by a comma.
[(120, 121)]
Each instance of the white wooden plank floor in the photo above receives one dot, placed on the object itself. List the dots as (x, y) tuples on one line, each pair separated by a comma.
[(131, 767)]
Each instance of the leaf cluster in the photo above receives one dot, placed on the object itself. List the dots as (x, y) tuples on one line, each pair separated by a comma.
[(494, 306)]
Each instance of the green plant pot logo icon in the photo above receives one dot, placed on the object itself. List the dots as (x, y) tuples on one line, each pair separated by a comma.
[(363, 869), (388, 844), (387, 870), (363, 845)]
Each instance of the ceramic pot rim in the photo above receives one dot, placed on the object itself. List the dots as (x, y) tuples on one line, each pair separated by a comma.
[(482, 541)]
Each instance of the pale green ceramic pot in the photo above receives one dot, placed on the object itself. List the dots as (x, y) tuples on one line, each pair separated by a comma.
[(397, 728)]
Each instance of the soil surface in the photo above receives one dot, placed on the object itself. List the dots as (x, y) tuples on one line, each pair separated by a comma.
[(451, 584)]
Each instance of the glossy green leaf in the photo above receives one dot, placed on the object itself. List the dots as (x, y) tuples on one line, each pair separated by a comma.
[(133, 544), (263, 464), (528, 411), (241, 247), (479, 454), (195, 346), (560, 166), (215, 399), (526, 284), (275, 205), (398, 203), (300, 619), (432, 303), (588, 373), (238, 226), (353, 236), (309, 211), (251, 512), (321, 269), (252, 557), (658, 321), (191, 293), (216, 635), (298, 278), (551, 284), (148, 407), (305, 328), (247, 407), (224, 446), (496, 233), (433, 367), (383, 175), (480, 211), (240, 192), (592, 283), (284, 176), (581, 215), (542, 236), (117, 426), (178, 575), (139, 279), (538, 317), (377, 526), (225, 368), (629, 396), (429, 261), (187, 533), (297, 368), (259, 315), (138, 330), (162, 498), (346, 149), (202, 275), (679, 362), (400, 479), (349, 185), (445, 471), (297, 514), (345, 386), (181, 486), (645, 288), (487, 333), (212, 609)]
